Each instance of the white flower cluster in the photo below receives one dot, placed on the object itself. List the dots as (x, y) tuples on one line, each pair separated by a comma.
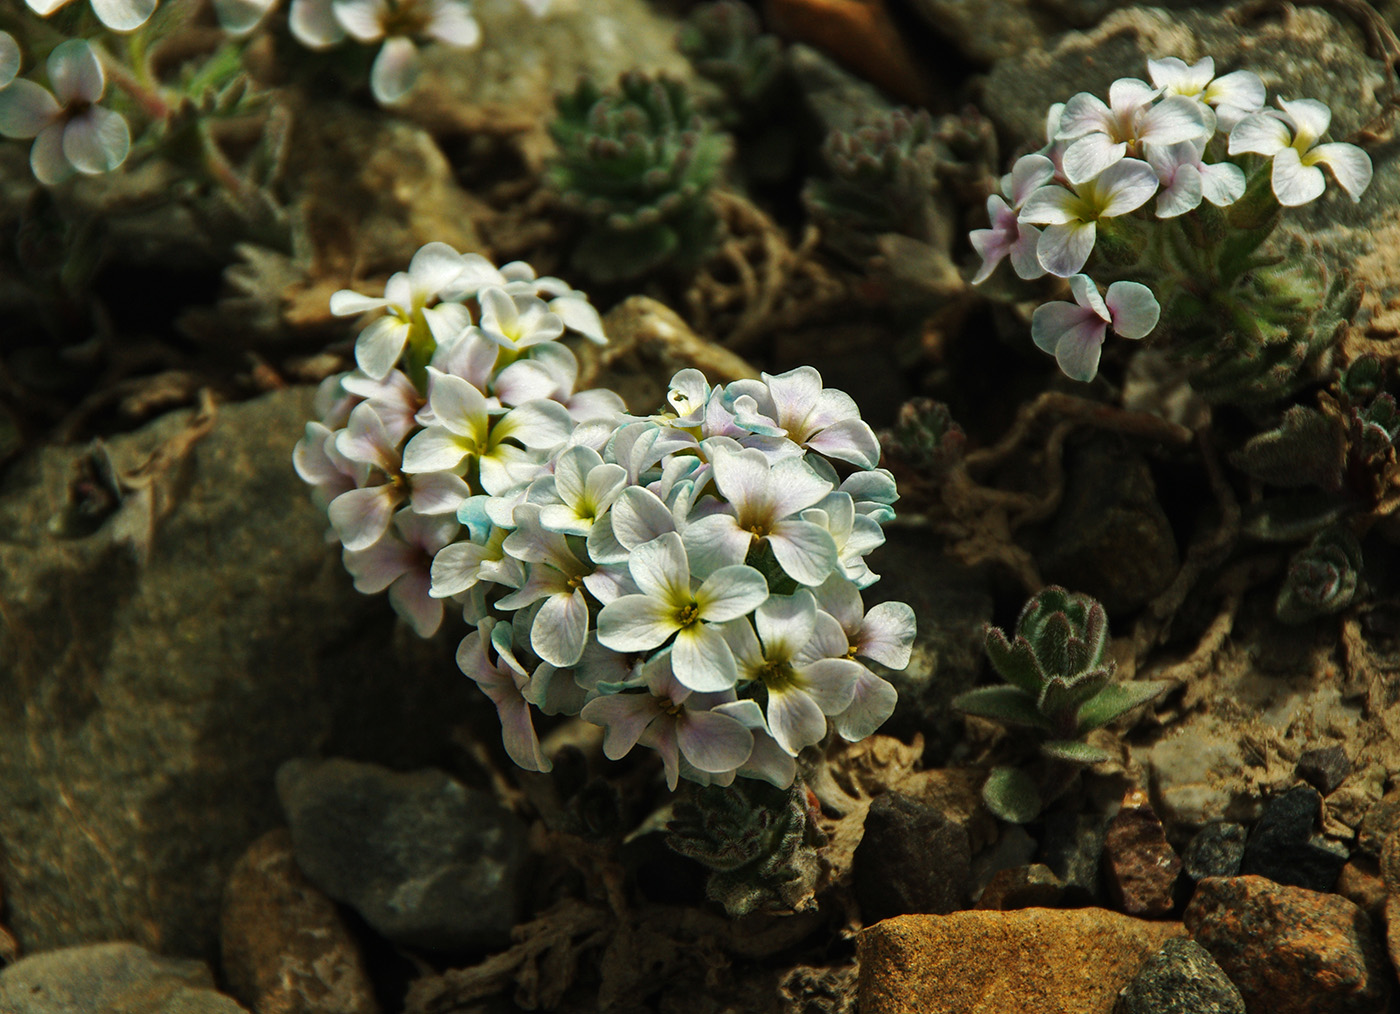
[(1173, 138), (688, 580)]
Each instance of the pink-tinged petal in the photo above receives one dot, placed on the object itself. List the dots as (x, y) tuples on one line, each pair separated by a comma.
[(831, 683), (828, 640), (26, 109), (1182, 194), (661, 569), (1029, 174), (453, 24), (1134, 308), (712, 741), (715, 542), (365, 440), (560, 629), (435, 493), (518, 735), (123, 15), (795, 720), (543, 581), (75, 72), (436, 449), (1309, 116), (1348, 163), (1128, 93), (625, 716), (313, 465), (96, 141), (362, 19), (1052, 321), (745, 479), (361, 516), (1078, 351), (768, 761), (410, 599), (1222, 184), (1176, 118), (806, 551), (395, 70), (992, 245), (1089, 156), (525, 380), (46, 158), (429, 534), (380, 565), (456, 568), (1063, 249), (636, 623), (887, 634), (795, 486), (702, 659), (661, 737), (785, 623), (1023, 254), (348, 303), (1084, 113), (1293, 182), (872, 704), (313, 24), (1052, 206), (849, 440), (379, 346), (1126, 186), (1086, 294), (1260, 134), (729, 593), (841, 599)]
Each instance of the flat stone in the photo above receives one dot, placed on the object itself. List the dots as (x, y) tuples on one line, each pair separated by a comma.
[(1198, 776), (1031, 886), (120, 978), (131, 689), (1285, 845), (285, 946), (1049, 961), (1325, 768), (425, 860), (1181, 978), (910, 859), (1216, 850), (1288, 949), (1140, 866)]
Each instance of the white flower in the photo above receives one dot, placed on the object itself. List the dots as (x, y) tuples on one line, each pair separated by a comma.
[(239, 17), (510, 688), (1186, 179), (796, 406), (461, 566), (1232, 96), (118, 15), (674, 720), (518, 279), (401, 561), (1071, 214), (1103, 134), (1074, 332), (407, 298), (9, 58), (586, 487), (556, 576), (71, 132), (885, 634), (517, 322), (314, 25), (855, 535), (798, 657), (669, 605), (1291, 137), (1008, 236), (398, 22)]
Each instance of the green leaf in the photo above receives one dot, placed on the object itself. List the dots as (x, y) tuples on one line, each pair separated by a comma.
[(1064, 697), (1293, 517), (1072, 750), (1001, 704), (1014, 661), (1117, 699), (1306, 449), (1051, 644), (1012, 795)]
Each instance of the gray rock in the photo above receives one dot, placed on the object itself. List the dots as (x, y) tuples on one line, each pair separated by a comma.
[(426, 861), (1215, 851), (140, 701), (1325, 768), (911, 859), (121, 978), (1285, 845), (1110, 538), (1181, 978), (1072, 846)]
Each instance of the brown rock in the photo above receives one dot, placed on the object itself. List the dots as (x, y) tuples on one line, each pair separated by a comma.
[(1139, 863), (285, 948), (1392, 929), (1032, 886), (1043, 960), (1361, 883), (859, 34), (1288, 949)]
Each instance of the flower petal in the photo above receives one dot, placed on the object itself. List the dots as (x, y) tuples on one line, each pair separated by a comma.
[(702, 659), (313, 24), (625, 717), (1052, 206), (395, 70), (661, 569), (1309, 116), (636, 623), (712, 741), (731, 592), (795, 720), (886, 634), (361, 516), (10, 58), (1134, 308), (1125, 186), (805, 550), (1260, 134), (1222, 183), (872, 704), (1293, 182), (560, 629), (379, 346), (453, 24), (1350, 164), (123, 15), (26, 109), (1064, 249), (1089, 156), (96, 141), (46, 158)]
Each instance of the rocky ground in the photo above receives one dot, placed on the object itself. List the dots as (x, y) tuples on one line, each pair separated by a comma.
[(228, 782)]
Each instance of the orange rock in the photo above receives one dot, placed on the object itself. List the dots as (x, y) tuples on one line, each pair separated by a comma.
[(859, 34), (1049, 961)]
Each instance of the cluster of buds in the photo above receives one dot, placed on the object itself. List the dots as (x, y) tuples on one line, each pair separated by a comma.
[(688, 580), (1215, 159)]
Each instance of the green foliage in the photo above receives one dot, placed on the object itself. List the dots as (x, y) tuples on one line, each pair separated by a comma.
[(725, 44), (756, 840), (1324, 577), (1061, 686), (636, 164), (926, 437)]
